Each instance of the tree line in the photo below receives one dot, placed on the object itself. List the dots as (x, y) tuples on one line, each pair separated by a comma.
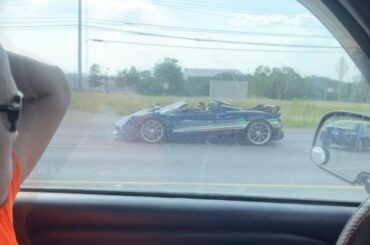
[(167, 78)]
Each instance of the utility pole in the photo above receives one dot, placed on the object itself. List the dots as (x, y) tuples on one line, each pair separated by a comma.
[(79, 47), (342, 69)]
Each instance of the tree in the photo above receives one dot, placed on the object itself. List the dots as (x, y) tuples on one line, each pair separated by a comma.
[(121, 78), (286, 83), (95, 76), (261, 83), (277, 83), (147, 84), (359, 90), (128, 77), (169, 76), (133, 76)]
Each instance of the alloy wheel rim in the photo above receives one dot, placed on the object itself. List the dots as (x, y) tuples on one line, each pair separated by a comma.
[(259, 133), (152, 131)]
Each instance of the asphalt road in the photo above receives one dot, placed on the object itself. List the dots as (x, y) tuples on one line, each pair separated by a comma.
[(83, 154)]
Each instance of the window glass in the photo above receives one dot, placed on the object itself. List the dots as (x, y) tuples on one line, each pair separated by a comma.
[(206, 97)]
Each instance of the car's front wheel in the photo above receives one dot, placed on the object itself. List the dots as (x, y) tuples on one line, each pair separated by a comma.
[(152, 131), (258, 132)]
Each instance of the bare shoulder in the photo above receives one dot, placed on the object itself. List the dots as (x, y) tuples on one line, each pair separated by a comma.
[(46, 99)]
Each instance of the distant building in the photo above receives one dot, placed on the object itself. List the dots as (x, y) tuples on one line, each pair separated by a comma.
[(198, 82), (207, 73), (228, 89), (323, 88)]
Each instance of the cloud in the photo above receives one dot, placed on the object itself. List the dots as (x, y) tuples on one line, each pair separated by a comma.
[(121, 10), (277, 21), (107, 9), (300, 24)]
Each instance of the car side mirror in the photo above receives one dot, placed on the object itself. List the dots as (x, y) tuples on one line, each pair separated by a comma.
[(320, 155), (341, 147)]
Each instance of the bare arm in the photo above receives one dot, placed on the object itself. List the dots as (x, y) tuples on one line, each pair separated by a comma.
[(46, 99), (7, 90)]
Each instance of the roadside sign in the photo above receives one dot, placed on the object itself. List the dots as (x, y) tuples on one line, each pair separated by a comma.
[(342, 68)]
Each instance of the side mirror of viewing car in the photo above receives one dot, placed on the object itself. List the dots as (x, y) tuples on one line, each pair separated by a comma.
[(341, 147)]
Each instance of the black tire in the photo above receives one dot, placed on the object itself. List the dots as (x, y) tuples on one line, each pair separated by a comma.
[(258, 132), (152, 131)]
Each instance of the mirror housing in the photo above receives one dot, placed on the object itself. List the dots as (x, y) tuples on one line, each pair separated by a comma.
[(338, 139), (320, 155)]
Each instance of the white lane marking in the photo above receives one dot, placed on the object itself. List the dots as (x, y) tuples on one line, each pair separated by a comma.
[(246, 185), (82, 146), (350, 168)]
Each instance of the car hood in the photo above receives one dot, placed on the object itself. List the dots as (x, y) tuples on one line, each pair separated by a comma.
[(123, 120)]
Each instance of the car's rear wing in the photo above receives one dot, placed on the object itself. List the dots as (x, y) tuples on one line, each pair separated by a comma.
[(268, 108)]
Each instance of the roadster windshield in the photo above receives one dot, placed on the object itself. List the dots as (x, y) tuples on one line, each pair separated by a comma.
[(173, 107)]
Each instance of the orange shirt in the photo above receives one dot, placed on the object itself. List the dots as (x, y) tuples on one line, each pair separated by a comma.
[(7, 234)]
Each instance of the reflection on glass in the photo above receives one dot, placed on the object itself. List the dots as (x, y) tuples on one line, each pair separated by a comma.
[(347, 141)]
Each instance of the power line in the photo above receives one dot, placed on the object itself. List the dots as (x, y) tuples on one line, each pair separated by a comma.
[(166, 27), (205, 8), (224, 8), (38, 17), (219, 49), (205, 30), (215, 40), (38, 22), (36, 27), (202, 11), (176, 37), (42, 29)]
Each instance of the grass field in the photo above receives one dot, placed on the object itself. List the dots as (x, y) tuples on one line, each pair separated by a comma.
[(295, 113)]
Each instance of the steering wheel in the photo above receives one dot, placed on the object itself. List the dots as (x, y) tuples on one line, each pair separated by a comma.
[(357, 229)]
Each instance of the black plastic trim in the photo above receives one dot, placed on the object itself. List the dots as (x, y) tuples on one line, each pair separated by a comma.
[(202, 196), (354, 28), (167, 216)]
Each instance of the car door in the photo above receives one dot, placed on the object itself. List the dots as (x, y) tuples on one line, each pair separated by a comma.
[(194, 123), (230, 121)]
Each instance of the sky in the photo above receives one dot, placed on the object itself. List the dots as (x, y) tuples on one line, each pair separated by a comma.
[(249, 34)]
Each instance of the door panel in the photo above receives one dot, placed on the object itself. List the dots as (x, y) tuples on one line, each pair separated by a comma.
[(194, 122), (60, 218), (230, 120)]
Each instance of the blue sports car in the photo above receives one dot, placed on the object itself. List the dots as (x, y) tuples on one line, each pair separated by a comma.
[(256, 126), (354, 135)]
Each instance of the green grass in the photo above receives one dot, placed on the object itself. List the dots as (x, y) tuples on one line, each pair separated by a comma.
[(295, 113)]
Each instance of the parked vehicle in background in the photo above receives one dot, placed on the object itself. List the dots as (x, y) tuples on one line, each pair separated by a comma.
[(354, 135)]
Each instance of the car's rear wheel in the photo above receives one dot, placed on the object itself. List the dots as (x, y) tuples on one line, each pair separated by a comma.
[(152, 131), (258, 132)]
